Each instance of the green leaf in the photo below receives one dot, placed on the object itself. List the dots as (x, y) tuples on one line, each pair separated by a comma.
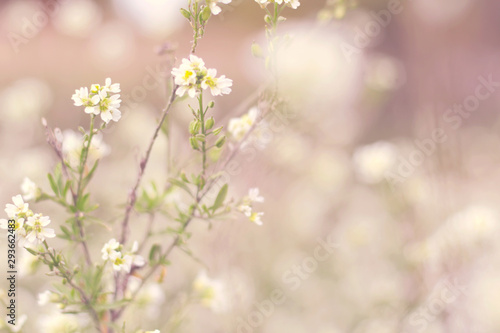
[(180, 184), (219, 201), (53, 184), (205, 14), (186, 13), (154, 254)]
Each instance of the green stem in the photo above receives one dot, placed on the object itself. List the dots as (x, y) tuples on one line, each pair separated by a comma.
[(203, 144)]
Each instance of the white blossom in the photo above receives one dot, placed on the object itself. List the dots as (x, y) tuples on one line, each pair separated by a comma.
[(19, 209), (239, 127), (110, 247), (102, 100), (212, 293), (29, 189), (192, 77), (372, 162), (36, 231), (214, 8)]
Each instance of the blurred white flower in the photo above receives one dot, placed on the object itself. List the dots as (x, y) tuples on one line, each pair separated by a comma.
[(110, 247), (212, 293), (36, 231), (121, 262), (253, 195), (72, 144), (214, 8), (29, 189), (78, 18), (246, 206), (373, 161), (192, 76), (60, 323), (459, 237), (47, 297), (239, 127)]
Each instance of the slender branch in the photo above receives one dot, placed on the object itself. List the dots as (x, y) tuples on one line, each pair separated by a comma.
[(142, 167), (83, 295)]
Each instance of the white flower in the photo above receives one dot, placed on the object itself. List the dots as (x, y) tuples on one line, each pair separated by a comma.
[(100, 100), (292, 3), (137, 260), (214, 8), (81, 97), (113, 88), (239, 127), (253, 195), (212, 293), (218, 86), (29, 189), (192, 76), (110, 247), (155, 331), (246, 210), (372, 162), (255, 217), (44, 298), (59, 323), (121, 262), (18, 209), (72, 145), (109, 109), (36, 228)]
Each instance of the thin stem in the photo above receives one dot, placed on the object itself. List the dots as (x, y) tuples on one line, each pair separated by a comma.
[(79, 192), (142, 167), (203, 144)]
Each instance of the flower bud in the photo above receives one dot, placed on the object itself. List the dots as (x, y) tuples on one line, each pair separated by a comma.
[(209, 123), (220, 141)]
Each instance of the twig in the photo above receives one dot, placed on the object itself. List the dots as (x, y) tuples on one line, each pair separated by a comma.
[(142, 166)]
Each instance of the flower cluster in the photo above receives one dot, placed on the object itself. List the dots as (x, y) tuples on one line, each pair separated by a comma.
[(246, 206), (28, 226), (290, 3), (122, 261), (103, 100), (213, 5), (192, 77)]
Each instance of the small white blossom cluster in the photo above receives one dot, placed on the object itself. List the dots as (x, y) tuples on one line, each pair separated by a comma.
[(28, 226), (213, 5), (192, 77), (290, 3), (246, 206), (103, 100), (122, 261)]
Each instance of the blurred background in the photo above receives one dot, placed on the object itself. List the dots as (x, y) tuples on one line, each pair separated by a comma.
[(389, 150)]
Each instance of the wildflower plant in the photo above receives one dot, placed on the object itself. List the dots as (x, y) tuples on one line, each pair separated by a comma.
[(103, 287)]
